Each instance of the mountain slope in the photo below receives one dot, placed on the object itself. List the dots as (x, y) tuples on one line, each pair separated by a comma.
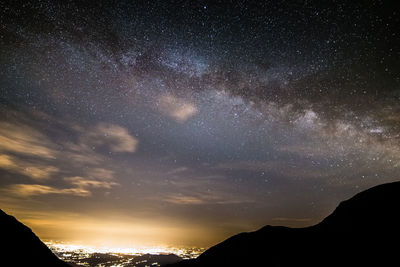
[(362, 231), (21, 247)]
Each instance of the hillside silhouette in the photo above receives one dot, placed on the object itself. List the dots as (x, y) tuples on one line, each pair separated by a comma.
[(21, 247), (362, 231)]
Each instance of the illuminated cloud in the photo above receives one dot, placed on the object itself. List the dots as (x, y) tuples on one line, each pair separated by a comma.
[(24, 140), (81, 154), (100, 174), (36, 172), (184, 200), (115, 137), (80, 188), (81, 182), (177, 108), (205, 197), (26, 190)]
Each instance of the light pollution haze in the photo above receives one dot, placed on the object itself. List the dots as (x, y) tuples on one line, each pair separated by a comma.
[(181, 123)]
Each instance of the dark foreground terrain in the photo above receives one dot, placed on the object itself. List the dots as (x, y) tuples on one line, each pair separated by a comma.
[(362, 231), (21, 247)]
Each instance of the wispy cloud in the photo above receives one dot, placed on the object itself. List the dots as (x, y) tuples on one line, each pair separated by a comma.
[(27, 150), (34, 171), (80, 187), (81, 154), (184, 200), (22, 139), (100, 174), (84, 150), (81, 182), (177, 108), (205, 197), (26, 190), (115, 137)]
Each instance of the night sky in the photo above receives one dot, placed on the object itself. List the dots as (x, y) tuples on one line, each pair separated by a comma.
[(184, 122)]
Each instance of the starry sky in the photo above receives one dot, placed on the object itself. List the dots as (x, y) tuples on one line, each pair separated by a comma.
[(184, 122)]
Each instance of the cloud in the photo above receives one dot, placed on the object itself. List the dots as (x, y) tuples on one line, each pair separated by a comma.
[(25, 140), (80, 188), (177, 108), (110, 136), (100, 174), (36, 172), (184, 200), (81, 154), (115, 137), (81, 182), (28, 151), (205, 197), (26, 190)]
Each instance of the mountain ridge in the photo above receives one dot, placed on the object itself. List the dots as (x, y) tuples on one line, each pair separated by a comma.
[(21, 247), (358, 232)]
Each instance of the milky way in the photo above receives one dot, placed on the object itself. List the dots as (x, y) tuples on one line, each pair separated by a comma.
[(185, 122)]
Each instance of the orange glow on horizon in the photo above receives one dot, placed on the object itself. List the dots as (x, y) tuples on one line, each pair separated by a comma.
[(118, 233)]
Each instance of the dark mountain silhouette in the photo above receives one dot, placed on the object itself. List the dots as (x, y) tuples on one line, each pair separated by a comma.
[(106, 259), (149, 259), (21, 247), (362, 231)]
